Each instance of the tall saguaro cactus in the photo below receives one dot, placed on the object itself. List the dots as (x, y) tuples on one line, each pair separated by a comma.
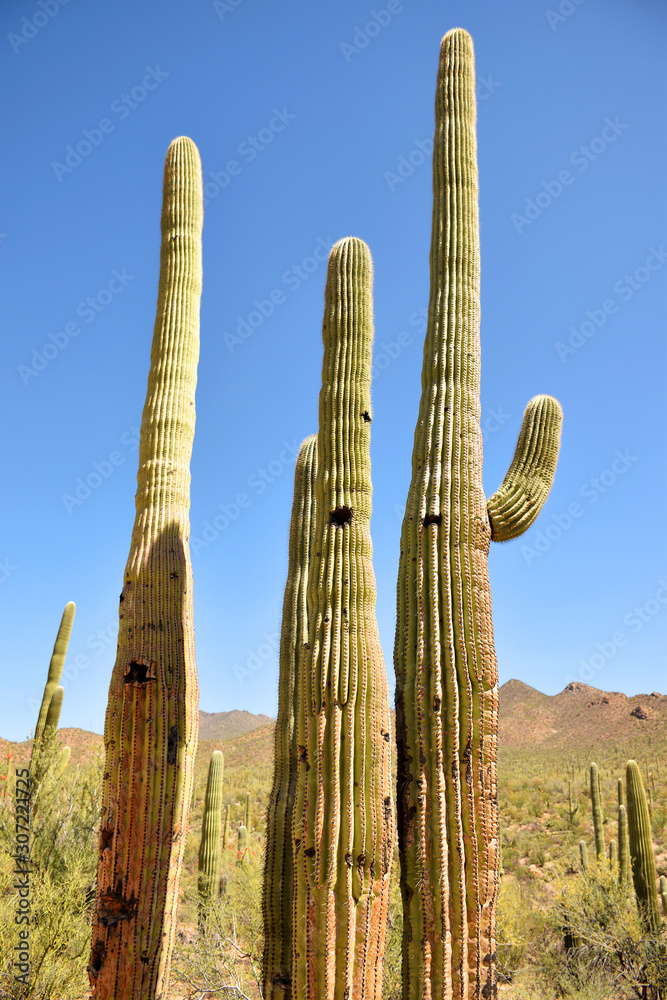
[(151, 723), (278, 894), (641, 850), (343, 827), (596, 804), (446, 672), (210, 847)]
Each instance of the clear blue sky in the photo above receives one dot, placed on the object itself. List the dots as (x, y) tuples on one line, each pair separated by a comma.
[(322, 107)]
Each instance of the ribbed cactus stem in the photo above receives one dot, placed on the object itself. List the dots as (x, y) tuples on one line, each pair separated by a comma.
[(55, 667), (151, 723), (596, 803), (210, 857), (278, 893), (663, 894), (613, 852), (623, 846), (242, 840), (55, 708), (343, 825), (247, 811), (619, 792), (520, 498), (446, 671), (583, 855), (642, 857)]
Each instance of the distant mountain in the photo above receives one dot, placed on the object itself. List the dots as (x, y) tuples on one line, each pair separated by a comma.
[(578, 718), (225, 725)]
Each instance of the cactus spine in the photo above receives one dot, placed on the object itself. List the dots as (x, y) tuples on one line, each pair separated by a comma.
[(343, 826), (278, 898), (623, 846), (446, 671), (596, 803), (210, 856), (641, 850), (151, 723)]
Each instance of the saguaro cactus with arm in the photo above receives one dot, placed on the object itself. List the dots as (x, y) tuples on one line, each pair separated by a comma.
[(446, 673), (343, 826), (151, 723)]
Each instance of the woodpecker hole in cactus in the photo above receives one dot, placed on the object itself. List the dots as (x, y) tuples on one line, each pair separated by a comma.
[(113, 908), (431, 519), (367, 417), (139, 672), (172, 745), (340, 516)]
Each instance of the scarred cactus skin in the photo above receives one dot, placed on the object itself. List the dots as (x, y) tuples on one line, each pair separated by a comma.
[(210, 848), (446, 671), (278, 895), (151, 725), (343, 827), (642, 857)]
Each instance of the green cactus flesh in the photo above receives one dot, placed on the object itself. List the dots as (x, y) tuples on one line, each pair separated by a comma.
[(55, 707), (278, 899), (210, 848), (663, 894), (55, 667), (343, 825), (623, 846), (583, 855), (596, 803), (151, 722), (641, 850), (446, 671)]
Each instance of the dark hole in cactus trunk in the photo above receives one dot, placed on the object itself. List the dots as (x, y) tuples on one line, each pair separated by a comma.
[(436, 704), (367, 417), (348, 860), (113, 908), (96, 959), (431, 519), (139, 672), (282, 980), (172, 745), (309, 852), (106, 838), (340, 516)]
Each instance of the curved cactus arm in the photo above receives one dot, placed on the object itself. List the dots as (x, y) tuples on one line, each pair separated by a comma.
[(55, 707), (151, 724), (641, 850), (55, 666), (525, 488)]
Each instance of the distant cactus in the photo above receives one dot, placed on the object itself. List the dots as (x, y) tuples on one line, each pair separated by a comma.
[(226, 836), (623, 846), (243, 849), (596, 803), (247, 811), (55, 668), (210, 857), (663, 894), (613, 853), (573, 808), (583, 855), (151, 725), (641, 850)]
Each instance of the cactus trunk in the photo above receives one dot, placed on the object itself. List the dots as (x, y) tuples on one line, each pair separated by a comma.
[(596, 803), (343, 817), (641, 850), (446, 672), (623, 846), (151, 722), (210, 857), (278, 898)]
